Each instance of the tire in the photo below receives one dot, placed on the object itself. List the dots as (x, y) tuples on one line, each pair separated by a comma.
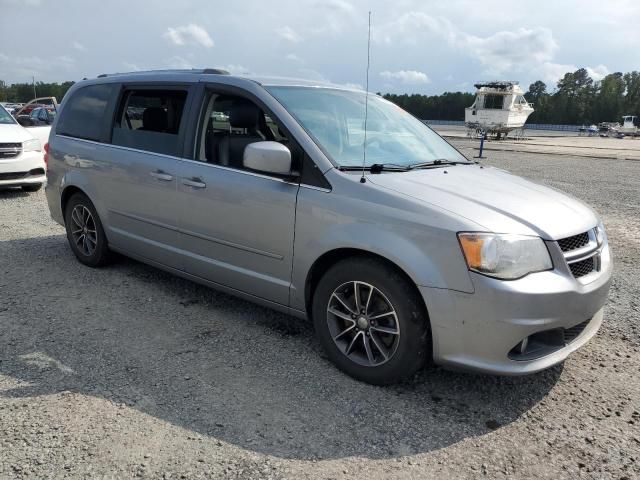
[(93, 250), (401, 354), (32, 188)]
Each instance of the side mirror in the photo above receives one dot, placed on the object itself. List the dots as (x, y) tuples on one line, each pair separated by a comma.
[(268, 157)]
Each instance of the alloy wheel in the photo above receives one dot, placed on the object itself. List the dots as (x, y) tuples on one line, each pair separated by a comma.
[(83, 230), (363, 323)]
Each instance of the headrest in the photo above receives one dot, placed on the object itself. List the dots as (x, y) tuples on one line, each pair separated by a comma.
[(155, 119), (244, 114)]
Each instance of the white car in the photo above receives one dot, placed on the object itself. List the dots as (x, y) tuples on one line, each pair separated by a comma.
[(21, 156)]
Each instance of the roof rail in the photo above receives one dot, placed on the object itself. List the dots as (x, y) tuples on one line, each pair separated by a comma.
[(209, 71), (215, 71)]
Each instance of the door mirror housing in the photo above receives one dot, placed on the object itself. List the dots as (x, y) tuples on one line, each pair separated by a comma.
[(267, 157)]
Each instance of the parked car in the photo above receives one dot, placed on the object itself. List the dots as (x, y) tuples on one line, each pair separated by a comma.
[(27, 109), (21, 158), (401, 251), (39, 116)]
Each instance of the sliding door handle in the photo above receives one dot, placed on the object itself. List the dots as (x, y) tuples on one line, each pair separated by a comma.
[(194, 183), (160, 175)]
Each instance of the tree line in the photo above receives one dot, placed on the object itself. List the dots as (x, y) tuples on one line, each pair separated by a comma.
[(576, 100), (23, 92)]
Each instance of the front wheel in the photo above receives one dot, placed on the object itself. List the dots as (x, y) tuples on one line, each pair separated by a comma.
[(85, 233), (371, 322)]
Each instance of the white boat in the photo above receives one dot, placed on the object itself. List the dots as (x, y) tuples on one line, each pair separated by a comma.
[(499, 108), (628, 126)]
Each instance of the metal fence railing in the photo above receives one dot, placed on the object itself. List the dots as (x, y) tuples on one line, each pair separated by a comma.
[(528, 126)]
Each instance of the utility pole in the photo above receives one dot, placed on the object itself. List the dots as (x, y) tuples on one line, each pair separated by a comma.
[(34, 87)]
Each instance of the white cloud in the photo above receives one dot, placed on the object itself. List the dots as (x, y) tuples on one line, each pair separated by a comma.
[(507, 51), (501, 51), (78, 46), (191, 34), (411, 28), (552, 72), (408, 77), (511, 53), (289, 34), (599, 72)]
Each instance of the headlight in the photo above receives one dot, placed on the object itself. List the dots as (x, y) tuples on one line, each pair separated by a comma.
[(32, 145), (504, 256), (601, 235)]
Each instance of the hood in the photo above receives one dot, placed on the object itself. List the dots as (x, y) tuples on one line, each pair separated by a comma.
[(14, 133), (494, 199)]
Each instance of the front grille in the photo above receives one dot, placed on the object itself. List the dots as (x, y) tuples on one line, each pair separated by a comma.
[(583, 267), (13, 175), (573, 243), (10, 150), (570, 334)]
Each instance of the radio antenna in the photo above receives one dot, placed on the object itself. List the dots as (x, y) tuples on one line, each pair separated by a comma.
[(366, 103)]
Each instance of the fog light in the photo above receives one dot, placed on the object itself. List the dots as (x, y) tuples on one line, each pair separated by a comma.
[(523, 345)]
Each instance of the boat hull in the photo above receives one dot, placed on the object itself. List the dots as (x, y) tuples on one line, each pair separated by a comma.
[(496, 121)]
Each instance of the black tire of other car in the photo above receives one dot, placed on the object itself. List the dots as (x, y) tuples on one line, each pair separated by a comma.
[(32, 188), (98, 253), (413, 348)]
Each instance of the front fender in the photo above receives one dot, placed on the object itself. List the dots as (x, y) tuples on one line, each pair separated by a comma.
[(422, 243)]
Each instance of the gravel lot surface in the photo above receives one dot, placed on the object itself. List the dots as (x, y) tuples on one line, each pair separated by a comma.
[(129, 372)]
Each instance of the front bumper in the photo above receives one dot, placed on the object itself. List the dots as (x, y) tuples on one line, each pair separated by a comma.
[(26, 169), (478, 331)]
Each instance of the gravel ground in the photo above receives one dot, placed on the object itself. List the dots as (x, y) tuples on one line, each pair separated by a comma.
[(129, 372)]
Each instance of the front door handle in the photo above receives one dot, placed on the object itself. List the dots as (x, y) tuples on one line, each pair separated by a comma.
[(194, 183), (160, 175)]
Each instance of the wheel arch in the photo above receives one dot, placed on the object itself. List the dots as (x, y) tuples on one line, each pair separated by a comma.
[(67, 193), (330, 258)]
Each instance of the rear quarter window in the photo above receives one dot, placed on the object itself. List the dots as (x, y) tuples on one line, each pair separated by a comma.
[(86, 113)]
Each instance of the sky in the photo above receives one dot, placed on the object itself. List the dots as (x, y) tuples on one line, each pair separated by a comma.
[(416, 46)]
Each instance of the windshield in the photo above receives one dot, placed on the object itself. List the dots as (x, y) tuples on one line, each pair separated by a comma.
[(335, 120), (5, 117)]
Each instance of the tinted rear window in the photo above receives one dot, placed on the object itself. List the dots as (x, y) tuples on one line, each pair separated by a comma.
[(84, 115)]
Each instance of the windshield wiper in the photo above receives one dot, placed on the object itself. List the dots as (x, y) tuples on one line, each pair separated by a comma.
[(377, 168), (389, 167), (437, 162)]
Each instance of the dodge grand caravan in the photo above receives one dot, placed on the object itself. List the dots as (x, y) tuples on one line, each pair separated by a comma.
[(398, 248)]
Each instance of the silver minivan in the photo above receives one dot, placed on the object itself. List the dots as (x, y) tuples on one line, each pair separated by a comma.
[(398, 248)]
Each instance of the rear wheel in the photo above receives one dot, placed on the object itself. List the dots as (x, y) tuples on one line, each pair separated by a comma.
[(371, 322), (34, 187), (85, 233)]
